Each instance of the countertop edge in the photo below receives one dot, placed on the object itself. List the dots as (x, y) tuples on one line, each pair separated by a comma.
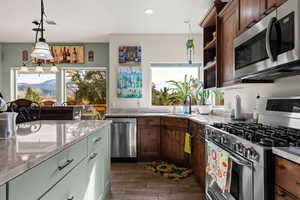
[(285, 153), (26, 166)]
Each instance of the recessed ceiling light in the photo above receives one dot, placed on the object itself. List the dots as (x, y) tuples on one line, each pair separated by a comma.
[(149, 11)]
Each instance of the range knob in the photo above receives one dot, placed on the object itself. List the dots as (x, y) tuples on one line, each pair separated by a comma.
[(251, 153), (239, 148), (224, 139)]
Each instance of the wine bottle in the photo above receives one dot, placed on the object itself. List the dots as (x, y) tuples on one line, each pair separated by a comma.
[(64, 55), (74, 56), (61, 57), (68, 54)]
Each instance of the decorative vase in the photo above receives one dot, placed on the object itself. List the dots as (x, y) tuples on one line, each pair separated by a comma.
[(205, 109)]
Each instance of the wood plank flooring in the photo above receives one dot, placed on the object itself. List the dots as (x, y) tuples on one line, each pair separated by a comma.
[(130, 181)]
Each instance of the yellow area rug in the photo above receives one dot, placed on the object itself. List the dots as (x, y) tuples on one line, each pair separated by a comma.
[(168, 170)]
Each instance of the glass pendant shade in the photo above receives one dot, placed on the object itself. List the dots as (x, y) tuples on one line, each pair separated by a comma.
[(23, 69), (39, 69), (42, 51), (53, 69)]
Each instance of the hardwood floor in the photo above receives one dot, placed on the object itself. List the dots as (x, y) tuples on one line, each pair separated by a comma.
[(130, 181)]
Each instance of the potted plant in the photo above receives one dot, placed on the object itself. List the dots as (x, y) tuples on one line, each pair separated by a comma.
[(202, 97)]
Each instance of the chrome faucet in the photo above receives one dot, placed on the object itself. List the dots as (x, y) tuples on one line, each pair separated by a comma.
[(188, 104)]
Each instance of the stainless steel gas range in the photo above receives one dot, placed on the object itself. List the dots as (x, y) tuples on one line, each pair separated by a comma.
[(249, 149)]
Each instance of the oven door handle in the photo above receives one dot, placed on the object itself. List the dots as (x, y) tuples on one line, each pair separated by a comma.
[(239, 161), (268, 39)]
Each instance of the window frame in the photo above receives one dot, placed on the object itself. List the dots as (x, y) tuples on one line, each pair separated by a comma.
[(63, 86), (170, 65), (14, 87), (60, 81)]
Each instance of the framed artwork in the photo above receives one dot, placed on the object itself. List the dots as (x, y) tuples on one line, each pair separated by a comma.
[(66, 55), (24, 55), (130, 55), (130, 82), (91, 56)]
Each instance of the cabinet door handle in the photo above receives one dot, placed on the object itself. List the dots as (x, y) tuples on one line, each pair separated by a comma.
[(70, 198), (97, 139), (94, 155), (270, 9), (282, 193), (68, 162)]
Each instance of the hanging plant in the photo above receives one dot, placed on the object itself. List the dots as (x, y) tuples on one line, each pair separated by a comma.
[(190, 46), (190, 49)]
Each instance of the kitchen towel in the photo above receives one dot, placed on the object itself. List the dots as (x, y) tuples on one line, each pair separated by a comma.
[(187, 145), (218, 166)]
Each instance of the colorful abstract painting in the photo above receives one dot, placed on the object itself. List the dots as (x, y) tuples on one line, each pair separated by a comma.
[(130, 55), (130, 82)]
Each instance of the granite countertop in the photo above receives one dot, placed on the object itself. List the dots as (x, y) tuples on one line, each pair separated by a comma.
[(205, 119), (289, 153), (38, 141)]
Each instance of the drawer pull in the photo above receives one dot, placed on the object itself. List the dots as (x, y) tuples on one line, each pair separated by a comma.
[(281, 193), (94, 155), (98, 140), (65, 165), (70, 198)]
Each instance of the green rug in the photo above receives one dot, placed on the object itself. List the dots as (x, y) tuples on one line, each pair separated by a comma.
[(170, 171)]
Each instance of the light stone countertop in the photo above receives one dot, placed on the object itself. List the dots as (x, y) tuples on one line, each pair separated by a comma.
[(38, 141), (289, 153)]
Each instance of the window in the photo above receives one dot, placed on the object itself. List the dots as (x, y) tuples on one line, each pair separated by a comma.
[(85, 86), (166, 81), (37, 87)]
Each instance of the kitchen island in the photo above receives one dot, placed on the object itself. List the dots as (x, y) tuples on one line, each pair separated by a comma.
[(56, 160)]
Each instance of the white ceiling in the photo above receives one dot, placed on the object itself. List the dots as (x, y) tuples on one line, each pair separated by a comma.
[(94, 20)]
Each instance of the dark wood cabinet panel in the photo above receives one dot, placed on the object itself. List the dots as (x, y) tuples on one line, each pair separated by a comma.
[(198, 161), (287, 175), (228, 20), (149, 139), (173, 139)]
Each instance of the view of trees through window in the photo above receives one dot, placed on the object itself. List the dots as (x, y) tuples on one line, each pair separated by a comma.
[(36, 87), (170, 85), (167, 81), (86, 86)]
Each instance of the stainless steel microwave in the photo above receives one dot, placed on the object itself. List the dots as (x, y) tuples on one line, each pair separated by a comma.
[(271, 48)]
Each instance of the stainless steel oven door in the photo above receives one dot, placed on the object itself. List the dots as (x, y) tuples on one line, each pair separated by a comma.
[(241, 187)]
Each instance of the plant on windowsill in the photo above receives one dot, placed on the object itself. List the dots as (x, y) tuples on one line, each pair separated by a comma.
[(203, 100)]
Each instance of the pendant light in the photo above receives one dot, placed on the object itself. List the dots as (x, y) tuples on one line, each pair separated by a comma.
[(24, 69), (39, 68), (41, 50), (53, 68)]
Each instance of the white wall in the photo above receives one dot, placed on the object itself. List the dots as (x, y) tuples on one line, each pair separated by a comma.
[(155, 48), (284, 87)]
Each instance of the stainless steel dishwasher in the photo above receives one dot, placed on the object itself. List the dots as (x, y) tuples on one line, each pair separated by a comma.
[(123, 139)]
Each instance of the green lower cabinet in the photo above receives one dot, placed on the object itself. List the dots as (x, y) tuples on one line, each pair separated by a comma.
[(3, 192), (71, 187), (95, 185)]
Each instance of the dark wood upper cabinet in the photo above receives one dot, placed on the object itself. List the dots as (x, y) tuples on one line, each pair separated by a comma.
[(250, 12), (228, 24), (149, 138)]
